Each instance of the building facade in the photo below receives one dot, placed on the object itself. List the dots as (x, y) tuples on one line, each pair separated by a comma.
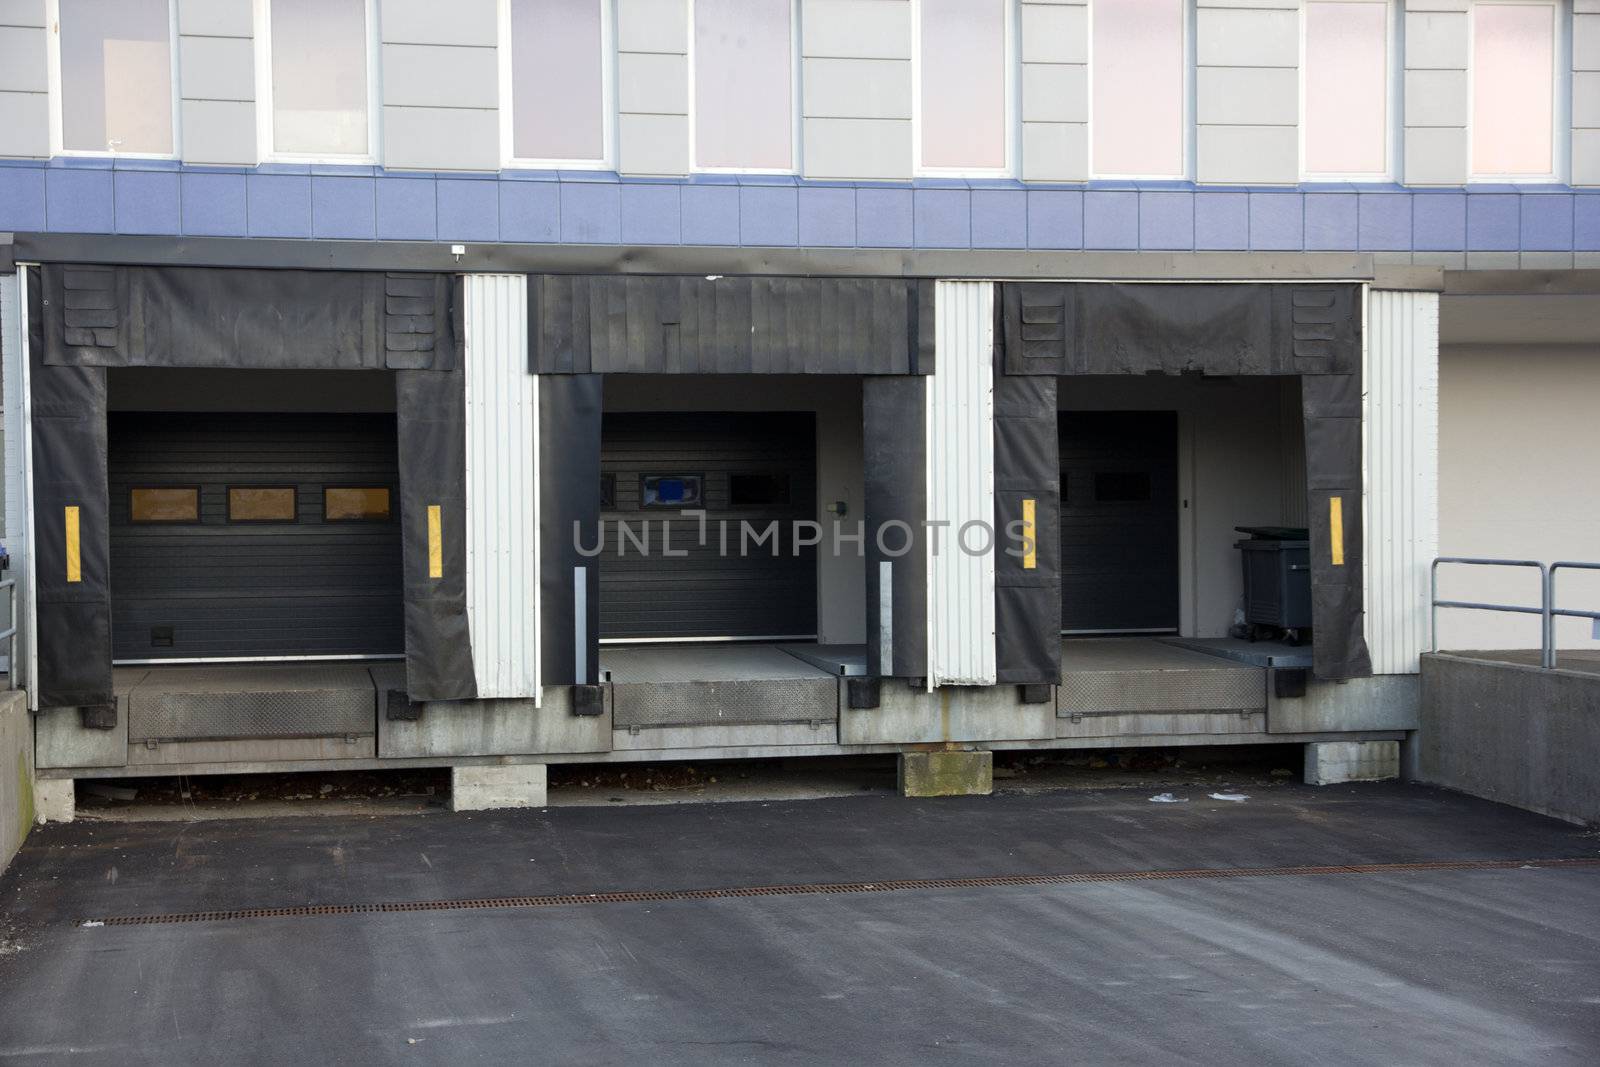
[(327, 323)]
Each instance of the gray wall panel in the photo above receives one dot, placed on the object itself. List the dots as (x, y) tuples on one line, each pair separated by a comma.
[(653, 87), (1055, 91), (1436, 98), (857, 29), (1247, 107), (1436, 93), (1055, 151), (22, 12), (438, 138), (219, 131), (24, 68), (856, 109), (1586, 92), (440, 88), (653, 83), (440, 76), (461, 22), (217, 68), (652, 25), (24, 124), (858, 88), (217, 82), (862, 148), (653, 144), (1247, 153), (1055, 33), (1248, 96), (216, 18)]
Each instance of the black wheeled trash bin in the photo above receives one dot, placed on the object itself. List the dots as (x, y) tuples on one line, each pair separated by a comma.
[(1277, 580)]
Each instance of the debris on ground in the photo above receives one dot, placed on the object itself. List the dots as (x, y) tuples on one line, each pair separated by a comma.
[(431, 784), (1168, 798), (107, 791), (1203, 768), (1235, 797)]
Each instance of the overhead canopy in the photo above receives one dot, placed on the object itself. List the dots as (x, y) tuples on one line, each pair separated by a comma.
[(1311, 330), (246, 319), (1258, 328), (86, 318), (694, 324)]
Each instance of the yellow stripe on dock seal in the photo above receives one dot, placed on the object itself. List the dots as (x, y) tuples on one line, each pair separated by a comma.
[(1030, 543), (74, 552), (1336, 528), (435, 543)]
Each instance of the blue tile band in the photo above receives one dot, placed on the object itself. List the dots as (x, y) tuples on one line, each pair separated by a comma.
[(581, 207)]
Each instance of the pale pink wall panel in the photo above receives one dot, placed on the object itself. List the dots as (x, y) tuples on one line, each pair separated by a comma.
[(963, 90), (1137, 81), (557, 80), (743, 82), (1513, 71), (319, 77)]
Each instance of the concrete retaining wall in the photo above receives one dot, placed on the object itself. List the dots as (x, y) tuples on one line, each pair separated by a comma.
[(1518, 735), (16, 773)]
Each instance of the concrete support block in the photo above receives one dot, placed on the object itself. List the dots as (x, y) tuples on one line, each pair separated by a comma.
[(54, 800), (946, 774), (1332, 762), (490, 788)]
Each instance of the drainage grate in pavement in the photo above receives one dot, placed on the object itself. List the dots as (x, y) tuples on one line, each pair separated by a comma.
[(823, 888)]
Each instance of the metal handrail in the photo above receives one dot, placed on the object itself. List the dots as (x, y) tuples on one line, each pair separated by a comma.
[(9, 635), (1547, 610), (1551, 611), (1543, 610)]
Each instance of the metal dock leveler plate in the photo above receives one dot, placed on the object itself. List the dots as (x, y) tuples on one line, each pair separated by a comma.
[(716, 686), (1108, 683), (234, 703)]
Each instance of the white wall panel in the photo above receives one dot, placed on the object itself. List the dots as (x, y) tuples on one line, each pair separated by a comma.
[(502, 488), (961, 485), (1401, 419)]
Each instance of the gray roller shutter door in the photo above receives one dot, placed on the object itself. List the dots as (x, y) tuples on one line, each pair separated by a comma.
[(1119, 520), (254, 589), (707, 593)]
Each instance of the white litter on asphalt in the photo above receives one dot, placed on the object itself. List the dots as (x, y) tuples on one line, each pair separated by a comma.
[(1168, 798), (1230, 796), (93, 922)]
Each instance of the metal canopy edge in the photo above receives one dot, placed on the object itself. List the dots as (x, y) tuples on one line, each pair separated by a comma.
[(640, 259)]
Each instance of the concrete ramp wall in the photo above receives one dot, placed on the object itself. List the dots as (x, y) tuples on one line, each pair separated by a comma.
[(16, 773), (1511, 733)]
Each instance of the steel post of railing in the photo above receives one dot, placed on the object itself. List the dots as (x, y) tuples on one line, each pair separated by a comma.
[(1543, 610), (10, 634), (1570, 613)]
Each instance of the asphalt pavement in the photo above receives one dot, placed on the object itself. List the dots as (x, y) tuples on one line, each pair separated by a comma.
[(1413, 926)]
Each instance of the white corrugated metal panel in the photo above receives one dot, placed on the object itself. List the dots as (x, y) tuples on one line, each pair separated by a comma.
[(1401, 409), (961, 486), (16, 494), (502, 488)]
